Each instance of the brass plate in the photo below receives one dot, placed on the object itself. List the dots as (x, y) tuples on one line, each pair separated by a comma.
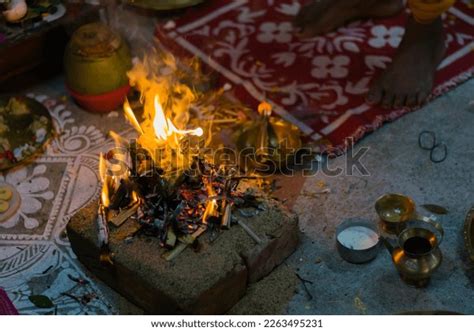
[(14, 203), (163, 4), (21, 134), (469, 233)]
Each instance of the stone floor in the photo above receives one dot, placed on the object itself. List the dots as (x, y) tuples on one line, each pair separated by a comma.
[(396, 164)]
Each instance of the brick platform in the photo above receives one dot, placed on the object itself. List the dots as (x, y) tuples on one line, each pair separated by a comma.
[(208, 281)]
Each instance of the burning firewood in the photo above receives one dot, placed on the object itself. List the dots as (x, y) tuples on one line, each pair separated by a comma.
[(163, 179)]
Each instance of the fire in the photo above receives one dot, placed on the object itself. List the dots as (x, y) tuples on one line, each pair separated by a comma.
[(265, 109), (163, 126), (211, 210), (131, 117), (102, 167), (104, 196), (162, 173), (211, 206), (135, 197), (118, 140), (166, 102)]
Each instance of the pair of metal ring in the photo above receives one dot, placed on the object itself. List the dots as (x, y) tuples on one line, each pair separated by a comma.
[(438, 151)]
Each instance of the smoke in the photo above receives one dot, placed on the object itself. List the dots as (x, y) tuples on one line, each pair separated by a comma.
[(138, 30)]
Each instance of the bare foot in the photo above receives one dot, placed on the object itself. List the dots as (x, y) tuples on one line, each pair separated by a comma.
[(323, 16), (408, 80)]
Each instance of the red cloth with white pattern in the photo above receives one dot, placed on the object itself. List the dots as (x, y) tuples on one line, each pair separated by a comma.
[(319, 84)]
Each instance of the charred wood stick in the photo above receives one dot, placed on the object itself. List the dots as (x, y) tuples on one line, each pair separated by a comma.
[(171, 255), (105, 255), (133, 157), (102, 226), (227, 217), (122, 195), (124, 215)]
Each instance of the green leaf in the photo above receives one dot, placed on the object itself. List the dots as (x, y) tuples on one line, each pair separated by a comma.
[(41, 301)]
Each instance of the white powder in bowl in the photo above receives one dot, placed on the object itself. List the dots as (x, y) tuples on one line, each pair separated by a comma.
[(358, 237)]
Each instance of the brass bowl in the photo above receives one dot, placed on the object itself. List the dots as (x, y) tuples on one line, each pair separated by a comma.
[(393, 210), (19, 133), (469, 233)]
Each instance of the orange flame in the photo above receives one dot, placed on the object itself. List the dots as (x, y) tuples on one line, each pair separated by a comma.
[(131, 117), (104, 196), (134, 196), (211, 206), (102, 167), (211, 210), (158, 83), (265, 109), (118, 140), (164, 127)]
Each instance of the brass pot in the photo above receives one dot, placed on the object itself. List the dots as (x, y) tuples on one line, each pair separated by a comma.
[(417, 255), (269, 143), (96, 60)]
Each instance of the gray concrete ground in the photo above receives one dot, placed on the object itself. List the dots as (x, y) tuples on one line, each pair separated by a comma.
[(396, 164)]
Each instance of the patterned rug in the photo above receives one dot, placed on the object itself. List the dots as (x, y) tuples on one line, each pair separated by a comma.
[(38, 269), (318, 84), (6, 306)]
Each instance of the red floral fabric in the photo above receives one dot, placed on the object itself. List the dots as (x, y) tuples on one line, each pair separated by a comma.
[(6, 306), (318, 84)]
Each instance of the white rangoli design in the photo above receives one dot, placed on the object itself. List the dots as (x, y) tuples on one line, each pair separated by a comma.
[(35, 256), (33, 188)]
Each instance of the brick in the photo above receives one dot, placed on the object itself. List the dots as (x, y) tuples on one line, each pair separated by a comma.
[(208, 281)]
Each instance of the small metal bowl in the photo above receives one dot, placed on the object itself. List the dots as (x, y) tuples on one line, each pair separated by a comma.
[(355, 255), (393, 210)]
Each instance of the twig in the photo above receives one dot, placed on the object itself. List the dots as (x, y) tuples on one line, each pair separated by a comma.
[(124, 215), (304, 282), (250, 232)]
